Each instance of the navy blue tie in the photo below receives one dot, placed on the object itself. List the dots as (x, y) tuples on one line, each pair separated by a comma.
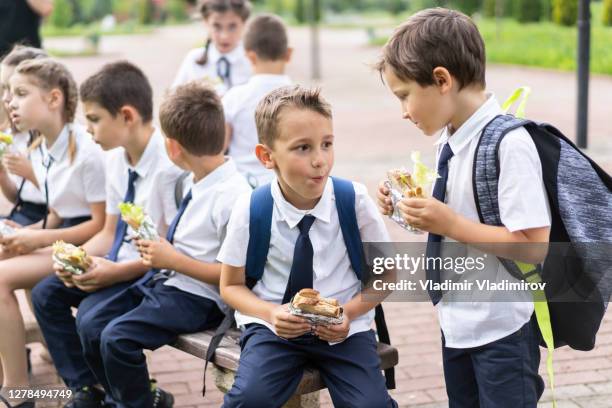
[(434, 240), (224, 71), (121, 228), (50, 161), (177, 217), (301, 269)]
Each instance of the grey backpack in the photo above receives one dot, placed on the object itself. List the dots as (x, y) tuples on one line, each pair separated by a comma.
[(578, 272)]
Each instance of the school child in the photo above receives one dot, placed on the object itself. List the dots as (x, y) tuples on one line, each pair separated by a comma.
[(44, 98), (180, 294), (222, 60), (305, 249), (435, 65), (17, 177), (266, 45)]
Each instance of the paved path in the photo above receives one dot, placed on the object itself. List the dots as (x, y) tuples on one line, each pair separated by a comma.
[(371, 138)]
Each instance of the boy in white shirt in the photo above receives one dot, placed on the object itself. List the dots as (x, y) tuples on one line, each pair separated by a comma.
[(296, 141), (118, 105), (490, 349), (180, 293), (266, 46)]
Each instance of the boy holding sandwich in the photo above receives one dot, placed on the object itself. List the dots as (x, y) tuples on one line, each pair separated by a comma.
[(305, 250)]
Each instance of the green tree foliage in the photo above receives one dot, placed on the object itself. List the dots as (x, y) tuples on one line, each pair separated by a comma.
[(607, 12), (469, 7), (62, 15), (527, 10), (565, 12)]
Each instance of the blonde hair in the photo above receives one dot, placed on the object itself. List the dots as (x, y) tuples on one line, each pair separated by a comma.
[(267, 114), (50, 74)]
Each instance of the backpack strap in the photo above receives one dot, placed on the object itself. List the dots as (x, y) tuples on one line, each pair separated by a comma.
[(179, 188), (260, 226), (485, 177)]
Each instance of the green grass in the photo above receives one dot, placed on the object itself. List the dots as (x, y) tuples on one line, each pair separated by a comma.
[(543, 44)]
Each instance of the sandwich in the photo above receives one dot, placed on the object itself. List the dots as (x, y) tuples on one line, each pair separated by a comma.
[(310, 301), (135, 216), (5, 141), (73, 258)]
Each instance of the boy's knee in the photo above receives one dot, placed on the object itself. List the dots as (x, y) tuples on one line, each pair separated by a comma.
[(373, 400), (251, 394), (44, 293), (88, 329)]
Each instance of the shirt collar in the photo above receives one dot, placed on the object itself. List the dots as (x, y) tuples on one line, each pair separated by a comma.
[(292, 216), (149, 156), (472, 127), (233, 56), (221, 173), (60, 146)]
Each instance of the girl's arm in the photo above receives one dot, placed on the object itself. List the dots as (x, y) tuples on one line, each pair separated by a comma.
[(79, 233), (9, 189), (101, 243)]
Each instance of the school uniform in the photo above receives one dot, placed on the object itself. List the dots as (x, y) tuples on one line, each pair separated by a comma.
[(270, 367), (71, 186), (490, 349), (53, 300), (30, 206), (224, 70), (239, 105), (156, 309)]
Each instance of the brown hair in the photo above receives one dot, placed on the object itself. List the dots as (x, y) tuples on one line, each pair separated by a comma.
[(119, 84), (48, 74), (436, 37), (269, 109), (192, 114), (266, 35), (241, 7)]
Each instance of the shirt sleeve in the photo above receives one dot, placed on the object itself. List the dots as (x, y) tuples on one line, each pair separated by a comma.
[(229, 105), (522, 198), (182, 76), (371, 225), (94, 175), (113, 196), (234, 248)]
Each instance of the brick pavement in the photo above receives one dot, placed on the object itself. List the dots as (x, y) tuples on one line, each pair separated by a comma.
[(371, 139)]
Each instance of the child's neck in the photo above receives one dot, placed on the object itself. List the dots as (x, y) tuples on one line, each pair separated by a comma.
[(295, 199), (204, 165), (468, 101), (269, 68), (52, 130), (138, 142)]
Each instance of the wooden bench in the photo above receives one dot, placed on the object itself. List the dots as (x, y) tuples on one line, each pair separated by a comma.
[(225, 364)]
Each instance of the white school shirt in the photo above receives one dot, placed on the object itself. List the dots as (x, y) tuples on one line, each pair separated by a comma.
[(523, 204), (239, 105), (190, 70), (202, 227), (29, 192), (73, 186), (333, 275), (153, 161)]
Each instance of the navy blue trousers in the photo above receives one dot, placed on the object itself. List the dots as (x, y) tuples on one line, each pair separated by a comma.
[(52, 302), (271, 368), (500, 374), (145, 315)]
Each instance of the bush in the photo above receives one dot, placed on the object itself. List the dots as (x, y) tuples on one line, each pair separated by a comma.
[(100, 9), (468, 7), (546, 10), (526, 11), (607, 12), (395, 7), (62, 14), (565, 12), (176, 10)]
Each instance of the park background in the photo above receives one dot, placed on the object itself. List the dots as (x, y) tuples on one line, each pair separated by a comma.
[(529, 43)]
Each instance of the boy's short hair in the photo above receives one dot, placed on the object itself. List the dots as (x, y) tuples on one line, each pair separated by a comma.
[(270, 108), (119, 84), (266, 35), (192, 114), (436, 37)]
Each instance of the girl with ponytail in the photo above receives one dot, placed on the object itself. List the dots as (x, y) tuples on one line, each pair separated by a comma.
[(43, 98), (222, 60)]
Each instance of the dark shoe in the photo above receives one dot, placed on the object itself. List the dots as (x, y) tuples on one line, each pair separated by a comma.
[(28, 353), (86, 397), (161, 398), (26, 404)]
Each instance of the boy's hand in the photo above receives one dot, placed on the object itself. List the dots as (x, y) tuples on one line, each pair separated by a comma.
[(63, 275), (383, 200), (287, 325), (428, 214), (334, 333), (22, 242), (157, 254), (102, 274)]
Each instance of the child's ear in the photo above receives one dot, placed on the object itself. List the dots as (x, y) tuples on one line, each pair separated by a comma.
[(252, 56), (55, 98), (264, 154), (288, 54), (174, 149), (129, 114), (443, 79)]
